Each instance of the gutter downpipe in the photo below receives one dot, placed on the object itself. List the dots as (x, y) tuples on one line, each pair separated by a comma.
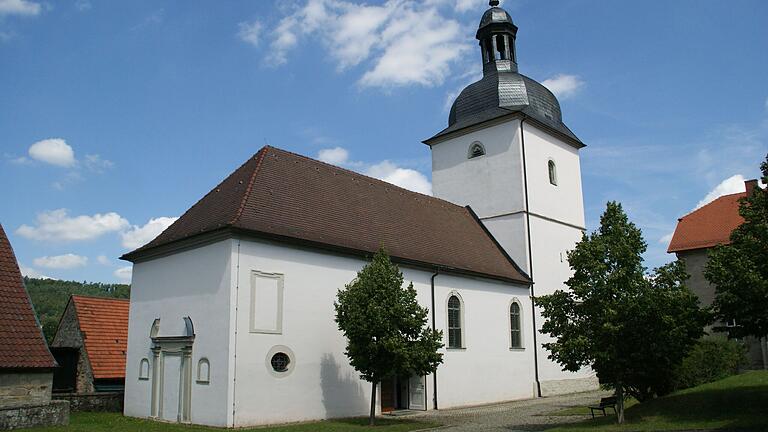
[(434, 374), (530, 263)]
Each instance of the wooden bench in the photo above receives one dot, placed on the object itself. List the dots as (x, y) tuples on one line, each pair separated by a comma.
[(606, 402)]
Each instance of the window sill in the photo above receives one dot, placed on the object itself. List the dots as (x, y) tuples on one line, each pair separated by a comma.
[(456, 349), (517, 348)]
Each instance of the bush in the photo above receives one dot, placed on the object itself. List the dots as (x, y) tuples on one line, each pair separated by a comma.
[(710, 359)]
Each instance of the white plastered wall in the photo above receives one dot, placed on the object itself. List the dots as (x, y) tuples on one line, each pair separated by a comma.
[(322, 384), (493, 185), (194, 283)]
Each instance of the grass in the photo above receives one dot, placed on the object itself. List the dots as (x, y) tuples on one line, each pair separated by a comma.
[(584, 410), (736, 403), (113, 422)]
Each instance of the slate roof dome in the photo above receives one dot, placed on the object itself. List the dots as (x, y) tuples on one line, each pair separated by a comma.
[(495, 15), (503, 90)]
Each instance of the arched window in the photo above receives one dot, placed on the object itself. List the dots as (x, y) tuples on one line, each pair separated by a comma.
[(144, 369), (203, 371), (476, 149), (515, 330), (552, 172), (454, 322)]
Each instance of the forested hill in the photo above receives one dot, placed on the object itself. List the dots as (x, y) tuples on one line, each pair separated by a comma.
[(50, 296)]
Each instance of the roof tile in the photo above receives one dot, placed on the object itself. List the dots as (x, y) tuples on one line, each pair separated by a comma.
[(104, 324), (709, 225)]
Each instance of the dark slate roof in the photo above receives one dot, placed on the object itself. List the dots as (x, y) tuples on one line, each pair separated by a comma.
[(495, 15), (281, 195), (502, 93), (22, 344)]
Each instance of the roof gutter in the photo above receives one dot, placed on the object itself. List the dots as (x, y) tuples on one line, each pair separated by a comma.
[(530, 263)]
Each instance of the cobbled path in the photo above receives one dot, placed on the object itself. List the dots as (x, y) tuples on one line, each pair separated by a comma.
[(525, 415)]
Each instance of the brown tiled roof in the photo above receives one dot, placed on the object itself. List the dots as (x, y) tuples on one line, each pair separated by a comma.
[(104, 325), (282, 195), (21, 341), (709, 225)]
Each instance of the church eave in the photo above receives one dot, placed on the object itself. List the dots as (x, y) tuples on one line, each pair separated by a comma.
[(453, 132), (230, 232)]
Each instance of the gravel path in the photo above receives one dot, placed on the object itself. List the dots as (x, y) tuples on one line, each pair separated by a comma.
[(525, 415)]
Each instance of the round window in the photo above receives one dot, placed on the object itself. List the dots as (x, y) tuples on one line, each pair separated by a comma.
[(280, 362)]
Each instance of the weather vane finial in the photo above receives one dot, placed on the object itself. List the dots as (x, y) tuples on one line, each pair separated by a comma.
[(493, 3)]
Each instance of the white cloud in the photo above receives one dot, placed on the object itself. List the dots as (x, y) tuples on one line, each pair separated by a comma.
[(103, 260), (250, 32), (57, 225), (404, 177), (54, 151), (83, 5), (66, 261), (95, 163), (400, 42), (731, 185), (138, 236), (385, 170), (30, 272), (334, 156), (563, 86), (19, 7), (124, 273), (666, 239)]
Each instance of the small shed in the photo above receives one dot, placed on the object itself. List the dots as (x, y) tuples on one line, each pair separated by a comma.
[(90, 344)]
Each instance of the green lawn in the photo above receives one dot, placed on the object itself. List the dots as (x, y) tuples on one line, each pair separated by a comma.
[(736, 403), (111, 422)]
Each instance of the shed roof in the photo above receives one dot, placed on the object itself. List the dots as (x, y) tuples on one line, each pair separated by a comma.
[(282, 195), (104, 326), (709, 225), (22, 344)]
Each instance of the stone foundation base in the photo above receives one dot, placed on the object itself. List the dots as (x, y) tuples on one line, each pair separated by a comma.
[(55, 413), (92, 402), (566, 386)]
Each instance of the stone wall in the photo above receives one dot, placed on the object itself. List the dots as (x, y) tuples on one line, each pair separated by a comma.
[(93, 402), (25, 388), (68, 335), (54, 413)]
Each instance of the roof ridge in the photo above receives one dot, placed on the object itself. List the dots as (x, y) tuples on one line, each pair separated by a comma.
[(711, 202), (260, 154), (98, 297), (374, 179)]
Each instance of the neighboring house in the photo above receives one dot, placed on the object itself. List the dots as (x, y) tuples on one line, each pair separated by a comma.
[(232, 319), (702, 229), (90, 345), (26, 365)]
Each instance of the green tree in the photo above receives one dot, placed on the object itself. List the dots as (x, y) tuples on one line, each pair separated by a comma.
[(739, 270), (632, 329), (386, 329)]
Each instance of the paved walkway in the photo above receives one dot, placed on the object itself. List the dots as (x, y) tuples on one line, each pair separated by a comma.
[(526, 415)]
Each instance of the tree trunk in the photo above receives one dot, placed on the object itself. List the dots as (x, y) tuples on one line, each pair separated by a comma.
[(764, 349), (372, 419), (620, 403)]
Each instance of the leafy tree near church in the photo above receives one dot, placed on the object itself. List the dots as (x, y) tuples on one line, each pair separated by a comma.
[(386, 329), (739, 270), (631, 328)]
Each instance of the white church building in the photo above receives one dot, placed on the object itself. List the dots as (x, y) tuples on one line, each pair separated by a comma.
[(231, 315)]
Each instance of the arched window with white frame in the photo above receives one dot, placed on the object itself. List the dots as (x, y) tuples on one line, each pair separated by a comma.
[(515, 326), (455, 322), (552, 172)]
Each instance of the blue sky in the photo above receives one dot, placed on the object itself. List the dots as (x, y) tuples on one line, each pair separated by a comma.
[(116, 117)]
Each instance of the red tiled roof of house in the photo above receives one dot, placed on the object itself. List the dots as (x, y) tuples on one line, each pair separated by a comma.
[(21, 340), (709, 225), (104, 325), (281, 195)]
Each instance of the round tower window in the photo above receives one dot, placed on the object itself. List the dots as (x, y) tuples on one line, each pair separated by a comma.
[(280, 362)]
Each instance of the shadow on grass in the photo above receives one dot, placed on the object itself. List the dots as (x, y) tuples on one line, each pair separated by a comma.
[(735, 403)]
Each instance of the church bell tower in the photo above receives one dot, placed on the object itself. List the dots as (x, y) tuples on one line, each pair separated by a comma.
[(508, 155)]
